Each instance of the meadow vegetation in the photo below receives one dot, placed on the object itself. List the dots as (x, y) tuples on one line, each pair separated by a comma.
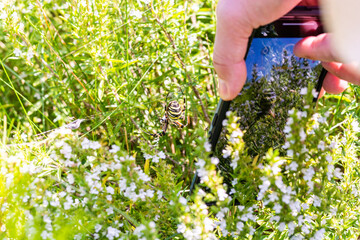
[(99, 72)]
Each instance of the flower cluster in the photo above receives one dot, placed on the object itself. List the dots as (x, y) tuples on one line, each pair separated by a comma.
[(83, 188), (295, 188)]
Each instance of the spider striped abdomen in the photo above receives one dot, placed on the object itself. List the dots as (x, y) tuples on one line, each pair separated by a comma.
[(174, 111)]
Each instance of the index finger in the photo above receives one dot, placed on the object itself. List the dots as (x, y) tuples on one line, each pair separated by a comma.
[(316, 48)]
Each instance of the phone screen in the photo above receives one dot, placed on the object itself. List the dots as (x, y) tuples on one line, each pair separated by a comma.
[(266, 53), (274, 80)]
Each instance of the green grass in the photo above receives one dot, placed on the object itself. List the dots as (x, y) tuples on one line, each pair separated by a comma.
[(113, 63)]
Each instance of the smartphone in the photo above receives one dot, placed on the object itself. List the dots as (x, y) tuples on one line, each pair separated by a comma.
[(274, 80)]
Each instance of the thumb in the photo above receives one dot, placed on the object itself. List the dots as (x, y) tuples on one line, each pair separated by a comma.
[(236, 20)]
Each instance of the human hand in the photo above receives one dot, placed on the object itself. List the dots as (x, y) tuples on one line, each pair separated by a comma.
[(236, 20)]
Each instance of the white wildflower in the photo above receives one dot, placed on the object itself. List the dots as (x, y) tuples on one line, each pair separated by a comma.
[(214, 160), (311, 186), (181, 228), (287, 129), (45, 235), (114, 148), (139, 229), (135, 13), (316, 201), (112, 233), (66, 150), (322, 120), (70, 178), (161, 155), (333, 211), (109, 210), (159, 194), (277, 208), (304, 149), (29, 54), (78, 236), (302, 135), (239, 226), (355, 126), (305, 206), (329, 158), (148, 156), (143, 176), (323, 222), (330, 172), (241, 208), (155, 159), (150, 193), (321, 146), (318, 235), (192, 39), (207, 146), (304, 114), (86, 144), (338, 173), (209, 224), (226, 152), (315, 93), (276, 168), (308, 173), (304, 91), (273, 197), (282, 226), (286, 198), (195, 7), (275, 219), (200, 163), (225, 122), (291, 227), (290, 153), (110, 190), (68, 203), (26, 198), (222, 194), (251, 230), (17, 52), (293, 166), (263, 188), (286, 145), (295, 207)]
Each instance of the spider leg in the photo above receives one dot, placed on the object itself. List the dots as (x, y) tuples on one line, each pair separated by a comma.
[(183, 109), (165, 127), (163, 132), (179, 124), (183, 114)]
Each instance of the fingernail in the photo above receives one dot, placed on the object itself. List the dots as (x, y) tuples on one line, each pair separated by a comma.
[(223, 89)]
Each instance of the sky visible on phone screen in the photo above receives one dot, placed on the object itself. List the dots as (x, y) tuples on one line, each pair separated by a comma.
[(267, 52)]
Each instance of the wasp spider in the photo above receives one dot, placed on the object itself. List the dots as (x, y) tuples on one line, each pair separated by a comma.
[(174, 113)]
